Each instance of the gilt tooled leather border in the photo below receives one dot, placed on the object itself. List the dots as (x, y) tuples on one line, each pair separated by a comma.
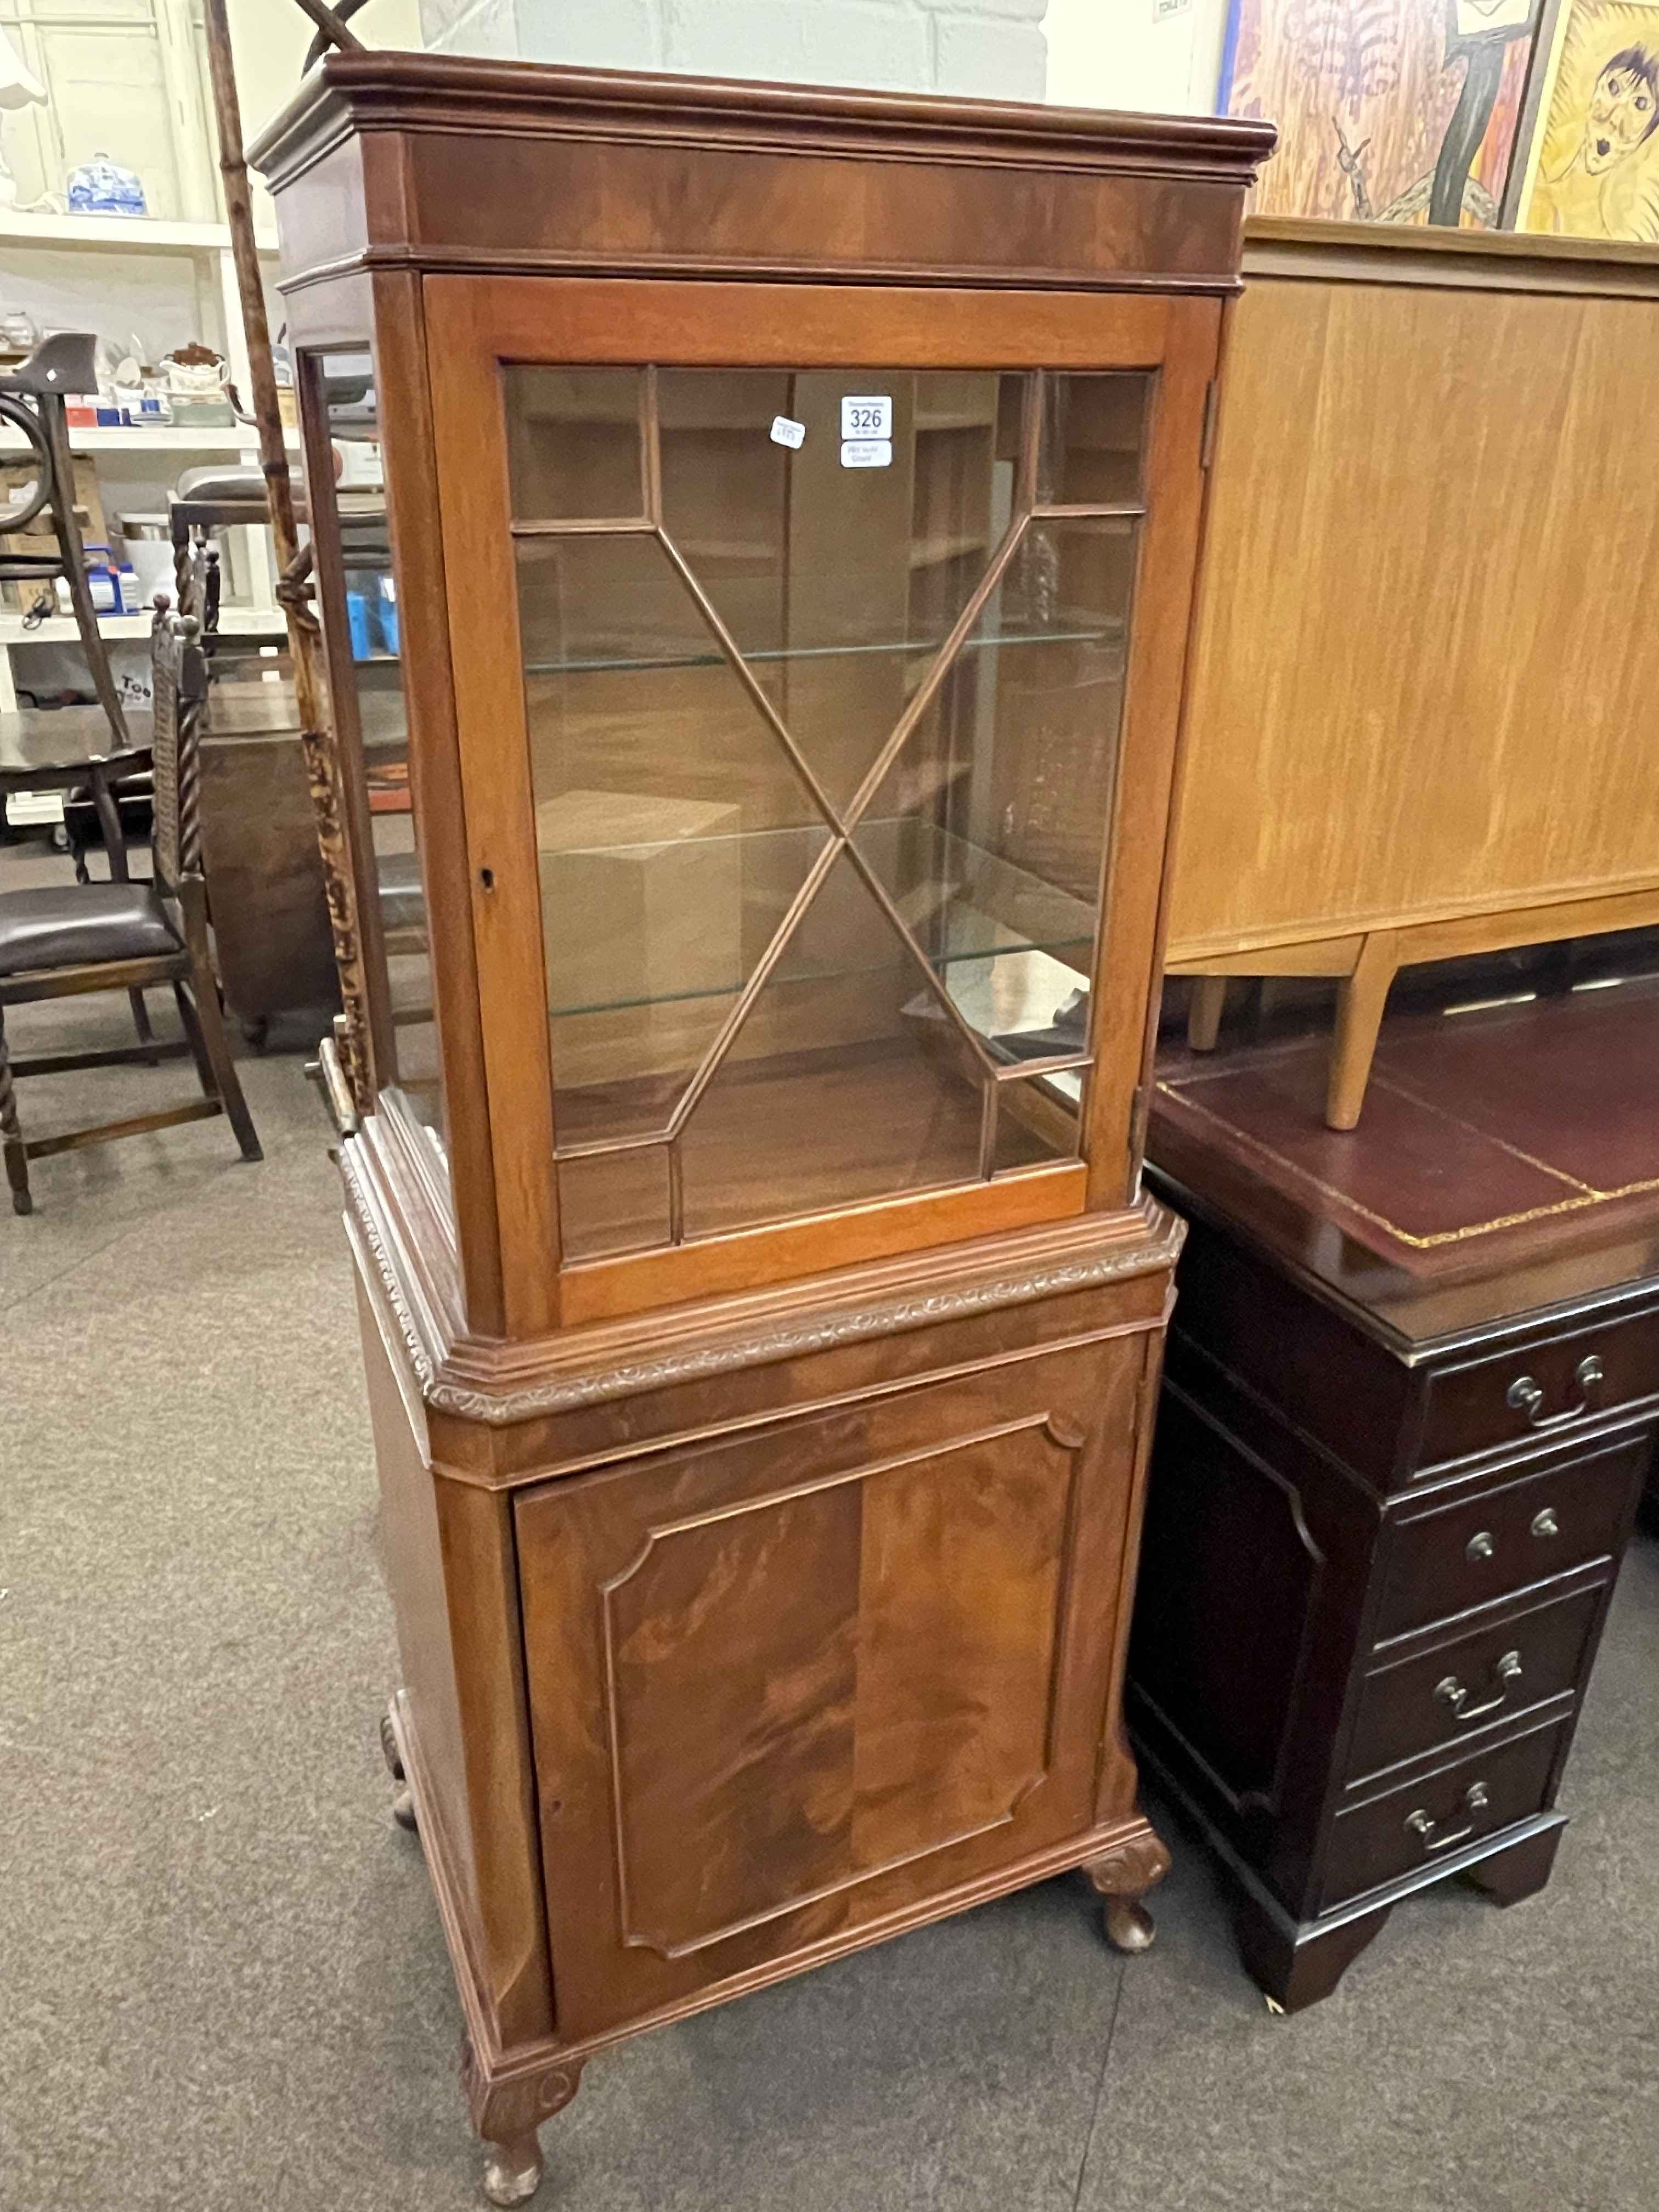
[(1585, 1196)]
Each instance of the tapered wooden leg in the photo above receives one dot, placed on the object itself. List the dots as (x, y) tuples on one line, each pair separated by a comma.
[(1361, 998), (1204, 1011), (1294, 1969), (17, 1160), (1520, 1872), (1122, 1877), (508, 2115)]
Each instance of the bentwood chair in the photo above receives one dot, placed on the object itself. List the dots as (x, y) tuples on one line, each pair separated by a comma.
[(56, 943), (33, 403)]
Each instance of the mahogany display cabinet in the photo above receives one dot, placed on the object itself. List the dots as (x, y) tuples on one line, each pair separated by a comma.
[(793, 499)]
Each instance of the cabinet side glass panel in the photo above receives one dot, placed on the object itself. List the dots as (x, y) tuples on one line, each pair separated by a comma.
[(823, 743), (367, 666)]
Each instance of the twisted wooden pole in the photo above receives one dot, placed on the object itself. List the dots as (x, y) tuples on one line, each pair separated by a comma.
[(317, 736)]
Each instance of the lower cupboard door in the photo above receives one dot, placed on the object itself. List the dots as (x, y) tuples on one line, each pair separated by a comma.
[(794, 1682)]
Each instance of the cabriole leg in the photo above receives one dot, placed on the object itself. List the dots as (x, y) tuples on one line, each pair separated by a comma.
[(508, 2115), (403, 1804), (512, 2170), (1122, 1877)]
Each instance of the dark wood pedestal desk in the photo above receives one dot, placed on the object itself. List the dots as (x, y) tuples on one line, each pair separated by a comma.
[(1412, 1381)]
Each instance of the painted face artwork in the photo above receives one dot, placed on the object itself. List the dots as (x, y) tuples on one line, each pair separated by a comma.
[(1623, 111)]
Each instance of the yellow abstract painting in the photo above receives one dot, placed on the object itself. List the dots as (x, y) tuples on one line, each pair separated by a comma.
[(1595, 168)]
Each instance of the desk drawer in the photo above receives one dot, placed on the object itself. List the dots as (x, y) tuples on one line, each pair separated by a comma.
[(1429, 1819), (1539, 1390), (1440, 1562), (1420, 1704)]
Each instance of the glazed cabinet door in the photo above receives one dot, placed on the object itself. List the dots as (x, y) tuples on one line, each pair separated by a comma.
[(803, 1681), (817, 656)]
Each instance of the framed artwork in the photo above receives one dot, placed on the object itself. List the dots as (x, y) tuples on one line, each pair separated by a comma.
[(1594, 168), (1389, 110)]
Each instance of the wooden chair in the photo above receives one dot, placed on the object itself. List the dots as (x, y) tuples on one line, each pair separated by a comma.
[(32, 405), (56, 944)]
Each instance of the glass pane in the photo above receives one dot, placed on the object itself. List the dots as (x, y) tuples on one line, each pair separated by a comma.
[(845, 1082), (407, 1045), (987, 830), (673, 829), (725, 499), (613, 1202), (837, 581), (1037, 1120), (1094, 434), (573, 441)]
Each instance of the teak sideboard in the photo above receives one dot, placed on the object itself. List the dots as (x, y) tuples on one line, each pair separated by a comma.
[(1419, 719), (793, 500)]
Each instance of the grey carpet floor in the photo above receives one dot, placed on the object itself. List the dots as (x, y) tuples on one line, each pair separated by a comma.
[(223, 1982)]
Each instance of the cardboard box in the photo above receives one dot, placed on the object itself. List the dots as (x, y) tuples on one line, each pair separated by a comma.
[(40, 536), (641, 898)]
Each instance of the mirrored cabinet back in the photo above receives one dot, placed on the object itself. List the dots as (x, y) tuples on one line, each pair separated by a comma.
[(754, 530)]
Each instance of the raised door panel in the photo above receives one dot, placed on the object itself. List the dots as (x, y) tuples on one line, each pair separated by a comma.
[(794, 1684)]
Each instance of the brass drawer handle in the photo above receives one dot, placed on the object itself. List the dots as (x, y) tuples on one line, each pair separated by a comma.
[(1422, 1825), (1528, 1397), (1545, 1523), (1480, 1546), (1451, 1691)]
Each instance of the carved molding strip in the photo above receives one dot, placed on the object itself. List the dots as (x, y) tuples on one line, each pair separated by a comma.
[(783, 1339), (414, 1349)]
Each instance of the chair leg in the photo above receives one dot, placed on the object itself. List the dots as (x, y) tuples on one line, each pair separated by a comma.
[(199, 1010), (17, 1160), (140, 1023), (196, 1041)]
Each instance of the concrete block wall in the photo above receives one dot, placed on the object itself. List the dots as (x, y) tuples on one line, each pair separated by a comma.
[(992, 48)]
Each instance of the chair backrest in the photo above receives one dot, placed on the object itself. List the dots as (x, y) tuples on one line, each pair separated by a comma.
[(65, 362), (196, 575), (179, 681), (29, 498)]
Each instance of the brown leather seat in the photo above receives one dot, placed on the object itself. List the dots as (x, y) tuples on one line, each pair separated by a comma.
[(81, 923)]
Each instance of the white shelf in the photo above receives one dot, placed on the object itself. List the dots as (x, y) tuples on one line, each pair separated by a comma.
[(157, 437), (60, 629), (118, 233)]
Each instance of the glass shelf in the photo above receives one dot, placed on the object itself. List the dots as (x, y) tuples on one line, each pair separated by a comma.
[(1028, 915), (1080, 634)]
